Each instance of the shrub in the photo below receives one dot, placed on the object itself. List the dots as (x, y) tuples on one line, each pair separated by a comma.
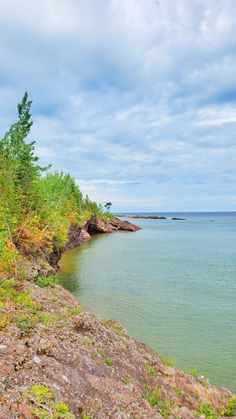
[(43, 282)]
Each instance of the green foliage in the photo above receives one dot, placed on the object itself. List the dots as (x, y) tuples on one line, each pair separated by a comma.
[(168, 361), (91, 208), (100, 352), (126, 380), (36, 209), (114, 325), (20, 153), (49, 281), (108, 206), (108, 362), (230, 409), (153, 396), (26, 325), (193, 372), (206, 409), (149, 369), (44, 405)]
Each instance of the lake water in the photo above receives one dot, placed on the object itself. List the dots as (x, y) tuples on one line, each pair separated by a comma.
[(171, 284)]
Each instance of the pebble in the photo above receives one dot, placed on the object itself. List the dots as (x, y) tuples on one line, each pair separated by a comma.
[(36, 360)]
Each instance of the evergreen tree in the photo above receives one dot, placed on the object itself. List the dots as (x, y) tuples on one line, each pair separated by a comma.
[(14, 147)]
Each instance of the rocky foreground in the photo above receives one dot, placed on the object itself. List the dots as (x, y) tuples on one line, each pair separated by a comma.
[(54, 354), (57, 361)]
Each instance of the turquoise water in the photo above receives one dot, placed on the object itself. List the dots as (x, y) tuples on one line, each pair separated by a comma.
[(172, 285)]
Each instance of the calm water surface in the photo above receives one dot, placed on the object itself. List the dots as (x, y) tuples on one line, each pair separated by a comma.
[(172, 285)]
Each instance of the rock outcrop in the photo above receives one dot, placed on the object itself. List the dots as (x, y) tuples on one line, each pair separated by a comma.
[(94, 367), (98, 225), (48, 264), (148, 217)]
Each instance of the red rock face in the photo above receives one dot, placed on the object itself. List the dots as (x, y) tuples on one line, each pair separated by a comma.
[(76, 237), (98, 225), (68, 356)]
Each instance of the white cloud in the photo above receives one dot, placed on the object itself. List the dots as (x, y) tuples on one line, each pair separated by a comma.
[(126, 89)]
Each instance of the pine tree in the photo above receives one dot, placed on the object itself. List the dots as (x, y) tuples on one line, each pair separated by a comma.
[(14, 147)]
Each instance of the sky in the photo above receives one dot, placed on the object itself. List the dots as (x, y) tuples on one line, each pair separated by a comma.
[(135, 98)]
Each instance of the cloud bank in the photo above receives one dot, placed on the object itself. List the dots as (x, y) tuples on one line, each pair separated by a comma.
[(136, 99)]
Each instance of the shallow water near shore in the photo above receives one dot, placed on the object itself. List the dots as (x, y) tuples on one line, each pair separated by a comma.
[(171, 284)]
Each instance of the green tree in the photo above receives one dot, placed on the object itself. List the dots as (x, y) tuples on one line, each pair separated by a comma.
[(108, 206), (20, 153)]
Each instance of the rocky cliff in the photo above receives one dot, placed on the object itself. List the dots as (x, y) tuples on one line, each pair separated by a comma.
[(57, 361)]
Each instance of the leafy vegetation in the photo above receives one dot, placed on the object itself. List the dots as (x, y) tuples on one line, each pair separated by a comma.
[(44, 405), (149, 369), (37, 206), (46, 282), (230, 409), (206, 409), (108, 362), (153, 396), (170, 362)]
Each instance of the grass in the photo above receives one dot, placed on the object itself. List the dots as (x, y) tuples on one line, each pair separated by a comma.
[(153, 396), (100, 352), (112, 324), (230, 409), (126, 380), (207, 410), (49, 281), (87, 342), (168, 361), (193, 372), (108, 362), (149, 369)]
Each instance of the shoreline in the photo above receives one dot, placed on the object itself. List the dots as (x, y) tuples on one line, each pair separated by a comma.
[(92, 367)]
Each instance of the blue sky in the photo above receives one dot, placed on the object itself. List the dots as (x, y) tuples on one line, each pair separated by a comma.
[(137, 100)]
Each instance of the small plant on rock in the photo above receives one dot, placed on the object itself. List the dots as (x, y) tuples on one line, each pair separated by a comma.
[(207, 410), (44, 405), (149, 369), (230, 409), (44, 282), (108, 362)]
